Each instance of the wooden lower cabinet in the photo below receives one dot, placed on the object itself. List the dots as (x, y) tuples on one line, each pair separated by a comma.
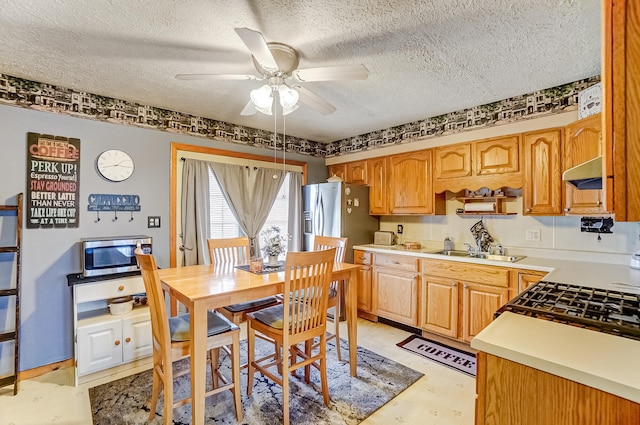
[(439, 305), (527, 278), (479, 303), (397, 295), (396, 284), (365, 283), (510, 393), (458, 300)]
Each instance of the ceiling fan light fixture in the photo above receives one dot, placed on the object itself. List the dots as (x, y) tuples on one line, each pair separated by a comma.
[(288, 110), (288, 97), (262, 98)]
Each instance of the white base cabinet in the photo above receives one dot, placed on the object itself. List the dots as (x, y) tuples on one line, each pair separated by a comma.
[(102, 340)]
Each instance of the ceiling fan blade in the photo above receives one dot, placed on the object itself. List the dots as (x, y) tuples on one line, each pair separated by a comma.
[(344, 72), (314, 101), (258, 47), (248, 109), (216, 77)]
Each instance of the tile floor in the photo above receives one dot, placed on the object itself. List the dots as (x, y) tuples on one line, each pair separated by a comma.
[(441, 397)]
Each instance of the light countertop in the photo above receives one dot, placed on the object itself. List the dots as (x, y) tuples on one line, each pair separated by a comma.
[(607, 362), (603, 361), (584, 273)]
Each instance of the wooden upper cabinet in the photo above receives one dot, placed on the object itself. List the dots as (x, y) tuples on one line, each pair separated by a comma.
[(339, 170), (583, 141), (542, 188), (411, 184), (492, 163), (498, 156), (621, 106), (377, 176), (357, 172), (453, 161)]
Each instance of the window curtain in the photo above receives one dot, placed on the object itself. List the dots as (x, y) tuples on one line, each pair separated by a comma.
[(195, 212), (295, 211), (250, 193)]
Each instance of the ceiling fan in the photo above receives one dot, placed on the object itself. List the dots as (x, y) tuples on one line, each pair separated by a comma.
[(277, 64)]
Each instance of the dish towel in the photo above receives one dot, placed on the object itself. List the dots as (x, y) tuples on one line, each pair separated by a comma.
[(480, 232)]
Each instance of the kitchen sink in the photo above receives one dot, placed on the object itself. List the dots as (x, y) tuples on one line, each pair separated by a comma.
[(454, 253), (483, 256)]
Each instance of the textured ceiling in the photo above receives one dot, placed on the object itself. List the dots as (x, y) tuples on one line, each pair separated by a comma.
[(425, 58)]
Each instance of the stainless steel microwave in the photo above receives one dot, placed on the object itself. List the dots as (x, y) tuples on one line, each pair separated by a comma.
[(104, 256)]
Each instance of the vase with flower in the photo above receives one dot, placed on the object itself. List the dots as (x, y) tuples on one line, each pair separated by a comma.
[(274, 244)]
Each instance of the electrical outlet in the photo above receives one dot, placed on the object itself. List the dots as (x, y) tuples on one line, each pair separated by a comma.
[(400, 229), (532, 235)]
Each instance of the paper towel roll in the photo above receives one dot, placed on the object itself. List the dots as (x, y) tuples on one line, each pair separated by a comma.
[(480, 207)]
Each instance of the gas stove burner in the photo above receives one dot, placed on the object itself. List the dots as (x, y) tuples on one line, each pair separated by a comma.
[(613, 312)]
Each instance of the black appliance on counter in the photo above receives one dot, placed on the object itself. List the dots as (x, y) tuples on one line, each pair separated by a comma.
[(610, 311)]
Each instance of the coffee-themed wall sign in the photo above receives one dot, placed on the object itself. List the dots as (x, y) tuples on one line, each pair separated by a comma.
[(53, 181)]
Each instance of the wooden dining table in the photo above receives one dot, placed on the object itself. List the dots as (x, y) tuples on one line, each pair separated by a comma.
[(205, 287)]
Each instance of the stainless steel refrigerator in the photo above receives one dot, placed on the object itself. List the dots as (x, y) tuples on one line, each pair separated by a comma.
[(338, 210)]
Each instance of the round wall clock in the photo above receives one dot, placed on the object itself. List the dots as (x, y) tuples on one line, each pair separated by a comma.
[(115, 165)]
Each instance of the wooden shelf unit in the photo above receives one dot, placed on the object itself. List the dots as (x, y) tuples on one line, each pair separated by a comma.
[(498, 200), (9, 211)]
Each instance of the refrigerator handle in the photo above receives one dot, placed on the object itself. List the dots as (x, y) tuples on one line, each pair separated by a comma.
[(320, 216)]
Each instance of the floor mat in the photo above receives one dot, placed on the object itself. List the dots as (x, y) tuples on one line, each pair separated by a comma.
[(441, 353)]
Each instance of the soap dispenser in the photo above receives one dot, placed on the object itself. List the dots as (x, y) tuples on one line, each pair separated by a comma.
[(448, 244)]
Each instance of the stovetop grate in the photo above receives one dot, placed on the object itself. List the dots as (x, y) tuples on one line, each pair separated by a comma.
[(604, 310)]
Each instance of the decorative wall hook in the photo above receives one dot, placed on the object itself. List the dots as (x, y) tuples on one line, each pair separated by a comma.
[(115, 203)]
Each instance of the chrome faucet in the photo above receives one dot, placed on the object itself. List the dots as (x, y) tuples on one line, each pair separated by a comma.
[(479, 247), (469, 250)]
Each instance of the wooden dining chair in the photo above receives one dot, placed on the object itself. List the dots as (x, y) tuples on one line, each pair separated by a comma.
[(171, 343), (335, 300), (303, 318), (232, 252)]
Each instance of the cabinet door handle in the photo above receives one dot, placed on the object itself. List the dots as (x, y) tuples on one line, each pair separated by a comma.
[(366, 269), (117, 342), (454, 284), (121, 288), (566, 209), (528, 210), (465, 286), (127, 339)]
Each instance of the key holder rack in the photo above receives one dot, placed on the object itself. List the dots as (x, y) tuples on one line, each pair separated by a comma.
[(115, 203)]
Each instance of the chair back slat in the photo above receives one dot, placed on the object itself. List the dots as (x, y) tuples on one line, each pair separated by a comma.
[(327, 242), (157, 304), (229, 251), (307, 280)]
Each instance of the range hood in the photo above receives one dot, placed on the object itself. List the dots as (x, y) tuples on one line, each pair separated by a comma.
[(587, 175)]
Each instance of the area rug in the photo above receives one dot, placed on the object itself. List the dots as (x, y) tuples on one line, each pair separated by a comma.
[(441, 353), (379, 379)]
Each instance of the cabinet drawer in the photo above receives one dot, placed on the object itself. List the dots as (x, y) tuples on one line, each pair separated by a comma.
[(108, 289), (399, 262), (361, 257), (489, 275)]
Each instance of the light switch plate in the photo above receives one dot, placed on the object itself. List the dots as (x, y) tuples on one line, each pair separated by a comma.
[(153, 221)]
